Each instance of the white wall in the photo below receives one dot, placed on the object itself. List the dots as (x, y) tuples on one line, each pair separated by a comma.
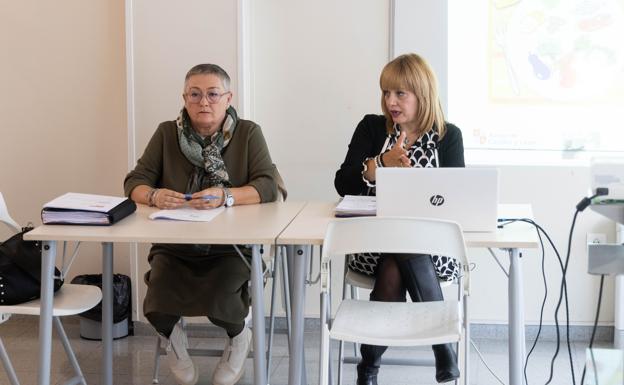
[(169, 39), (62, 83), (412, 26), (316, 72)]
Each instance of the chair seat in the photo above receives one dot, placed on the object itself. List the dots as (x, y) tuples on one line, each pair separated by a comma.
[(70, 299), (397, 323), (364, 281)]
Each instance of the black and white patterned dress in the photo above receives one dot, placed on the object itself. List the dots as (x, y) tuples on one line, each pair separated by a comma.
[(423, 153)]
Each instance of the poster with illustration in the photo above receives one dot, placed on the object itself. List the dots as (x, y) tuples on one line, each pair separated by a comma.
[(545, 75), (561, 51)]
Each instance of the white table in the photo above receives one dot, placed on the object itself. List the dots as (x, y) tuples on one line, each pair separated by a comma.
[(308, 229), (253, 224)]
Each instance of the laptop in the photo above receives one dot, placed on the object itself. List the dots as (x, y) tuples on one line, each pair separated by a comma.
[(468, 196)]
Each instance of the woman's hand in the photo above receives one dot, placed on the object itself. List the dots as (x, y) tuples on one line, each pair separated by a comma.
[(397, 155), (209, 198), (168, 199)]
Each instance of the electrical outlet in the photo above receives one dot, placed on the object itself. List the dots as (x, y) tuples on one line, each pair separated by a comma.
[(596, 238)]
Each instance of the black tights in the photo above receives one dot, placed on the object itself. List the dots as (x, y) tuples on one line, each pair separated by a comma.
[(164, 323), (389, 285), (398, 274)]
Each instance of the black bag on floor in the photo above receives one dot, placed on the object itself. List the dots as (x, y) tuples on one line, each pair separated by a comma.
[(121, 296), (20, 270)]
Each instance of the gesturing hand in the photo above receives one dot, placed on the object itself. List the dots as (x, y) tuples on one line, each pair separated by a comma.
[(397, 155)]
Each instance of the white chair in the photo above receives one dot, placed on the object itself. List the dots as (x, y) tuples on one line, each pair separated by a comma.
[(68, 300), (6, 217), (393, 323), (353, 281)]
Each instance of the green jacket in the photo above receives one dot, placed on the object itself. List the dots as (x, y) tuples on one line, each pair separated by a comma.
[(246, 159)]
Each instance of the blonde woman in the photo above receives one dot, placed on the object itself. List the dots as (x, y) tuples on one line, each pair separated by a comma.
[(410, 133)]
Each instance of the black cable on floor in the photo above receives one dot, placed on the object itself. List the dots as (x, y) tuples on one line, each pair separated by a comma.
[(593, 335), (539, 329), (564, 292), (564, 287)]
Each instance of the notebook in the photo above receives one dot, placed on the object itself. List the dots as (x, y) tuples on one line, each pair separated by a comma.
[(468, 196), (356, 206)]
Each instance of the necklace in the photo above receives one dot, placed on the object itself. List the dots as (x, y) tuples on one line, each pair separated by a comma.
[(410, 142)]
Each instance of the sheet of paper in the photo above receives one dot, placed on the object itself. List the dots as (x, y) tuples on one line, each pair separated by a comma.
[(187, 214), (90, 202), (356, 205)]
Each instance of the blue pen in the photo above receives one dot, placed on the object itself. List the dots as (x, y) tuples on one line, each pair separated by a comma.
[(188, 197)]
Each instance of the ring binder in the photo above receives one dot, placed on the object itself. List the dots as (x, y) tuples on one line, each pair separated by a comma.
[(86, 209)]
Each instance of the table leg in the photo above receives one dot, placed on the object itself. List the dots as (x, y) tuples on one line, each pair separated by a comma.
[(48, 257), (618, 330), (107, 313), (297, 263), (516, 319), (257, 295)]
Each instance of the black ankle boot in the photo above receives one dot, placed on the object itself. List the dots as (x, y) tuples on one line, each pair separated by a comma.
[(445, 363), (368, 367), (366, 375)]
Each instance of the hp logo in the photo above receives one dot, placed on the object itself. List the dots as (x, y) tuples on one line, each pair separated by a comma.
[(437, 200)]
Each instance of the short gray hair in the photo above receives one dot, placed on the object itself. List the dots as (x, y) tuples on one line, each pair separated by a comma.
[(209, 69)]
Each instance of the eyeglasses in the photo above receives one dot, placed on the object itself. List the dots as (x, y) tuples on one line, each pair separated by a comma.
[(195, 96)]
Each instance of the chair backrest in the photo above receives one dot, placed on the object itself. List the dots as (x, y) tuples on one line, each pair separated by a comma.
[(281, 186), (6, 217), (396, 235)]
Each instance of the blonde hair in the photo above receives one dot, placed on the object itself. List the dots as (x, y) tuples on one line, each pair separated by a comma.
[(411, 72)]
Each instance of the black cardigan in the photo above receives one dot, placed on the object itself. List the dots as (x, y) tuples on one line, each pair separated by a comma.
[(367, 141)]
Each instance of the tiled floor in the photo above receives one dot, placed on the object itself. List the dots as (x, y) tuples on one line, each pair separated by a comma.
[(134, 359)]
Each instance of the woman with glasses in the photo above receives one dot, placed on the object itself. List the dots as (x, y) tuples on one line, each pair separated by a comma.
[(208, 157), (410, 133)]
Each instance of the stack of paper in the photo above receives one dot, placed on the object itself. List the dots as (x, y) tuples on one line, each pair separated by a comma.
[(356, 206), (74, 217), (86, 209)]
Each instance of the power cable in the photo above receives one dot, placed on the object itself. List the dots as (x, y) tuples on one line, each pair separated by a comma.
[(591, 340)]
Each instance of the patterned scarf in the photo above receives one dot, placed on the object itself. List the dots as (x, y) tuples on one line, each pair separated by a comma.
[(205, 154)]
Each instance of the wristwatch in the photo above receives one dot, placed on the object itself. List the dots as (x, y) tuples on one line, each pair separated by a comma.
[(228, 198)]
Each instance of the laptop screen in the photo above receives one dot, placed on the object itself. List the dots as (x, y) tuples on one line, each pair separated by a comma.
[(468, 196)]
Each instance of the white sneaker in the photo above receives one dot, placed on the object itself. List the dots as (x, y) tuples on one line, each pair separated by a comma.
[(180, 363), (230, 368)]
